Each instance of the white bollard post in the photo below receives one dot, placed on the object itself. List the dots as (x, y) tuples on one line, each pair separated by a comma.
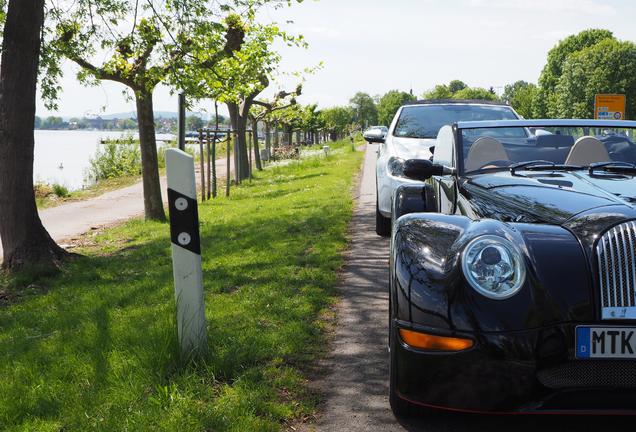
[(186, 252)]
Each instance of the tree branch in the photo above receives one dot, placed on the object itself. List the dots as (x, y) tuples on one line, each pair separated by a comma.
[(142, 60), (100, 73), (271, 107), (234, 39)]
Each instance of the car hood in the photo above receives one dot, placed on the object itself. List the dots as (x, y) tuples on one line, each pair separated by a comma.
[(412, 148), (548, 197)]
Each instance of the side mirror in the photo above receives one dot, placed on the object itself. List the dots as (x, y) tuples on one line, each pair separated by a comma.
[(422, 169), (374, 136)]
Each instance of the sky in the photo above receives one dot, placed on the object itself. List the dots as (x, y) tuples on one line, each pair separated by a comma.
[(378, 45)]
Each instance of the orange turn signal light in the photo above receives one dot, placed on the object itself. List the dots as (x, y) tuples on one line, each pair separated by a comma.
[(431, 342)]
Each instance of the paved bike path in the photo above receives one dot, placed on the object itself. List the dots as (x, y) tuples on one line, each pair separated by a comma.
[(70, 220)]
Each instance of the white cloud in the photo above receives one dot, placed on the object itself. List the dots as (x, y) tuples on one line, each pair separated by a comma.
[(548, 6)]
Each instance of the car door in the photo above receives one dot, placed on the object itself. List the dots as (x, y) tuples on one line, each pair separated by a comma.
[(445, 187)]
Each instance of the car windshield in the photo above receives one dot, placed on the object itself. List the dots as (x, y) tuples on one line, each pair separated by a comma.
[(569, 146), (382, 128), (425, 121)]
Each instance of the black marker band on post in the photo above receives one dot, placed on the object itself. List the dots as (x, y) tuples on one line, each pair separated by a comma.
[(184, 221)]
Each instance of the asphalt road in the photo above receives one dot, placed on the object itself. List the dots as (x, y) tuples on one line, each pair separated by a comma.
[(354, 381), (70, 220)]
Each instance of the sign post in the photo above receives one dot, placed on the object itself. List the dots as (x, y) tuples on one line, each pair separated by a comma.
[(181, 121), (186, 252), (609, 107)]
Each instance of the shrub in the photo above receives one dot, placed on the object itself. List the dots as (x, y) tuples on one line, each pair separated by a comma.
[(285, 152), (42, 190), (60, 190), (115, 160)]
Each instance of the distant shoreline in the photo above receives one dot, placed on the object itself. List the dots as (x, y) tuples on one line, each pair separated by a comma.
[(87, 130)]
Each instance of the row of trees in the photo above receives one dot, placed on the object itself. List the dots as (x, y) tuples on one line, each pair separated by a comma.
[(365, 110), (207, 48), (577, 68), (361, 112)]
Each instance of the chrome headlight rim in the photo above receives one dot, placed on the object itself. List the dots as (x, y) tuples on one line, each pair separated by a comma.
[(395, 166), (514, 252)]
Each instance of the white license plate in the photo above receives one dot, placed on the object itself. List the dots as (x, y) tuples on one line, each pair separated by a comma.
[(605, 342)]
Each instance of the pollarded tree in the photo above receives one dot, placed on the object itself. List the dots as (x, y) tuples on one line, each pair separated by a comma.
[(239, 80), (144, 45), (313, 121), (606, 67), (289, 119), (261, 109)]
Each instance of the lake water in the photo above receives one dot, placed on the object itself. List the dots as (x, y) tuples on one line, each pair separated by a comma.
[(63, 156)]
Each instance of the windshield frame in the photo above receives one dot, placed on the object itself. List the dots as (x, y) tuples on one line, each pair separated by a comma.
[(447, 103), (458, 127)]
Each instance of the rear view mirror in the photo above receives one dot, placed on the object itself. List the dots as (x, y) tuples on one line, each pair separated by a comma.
[(422, 169)]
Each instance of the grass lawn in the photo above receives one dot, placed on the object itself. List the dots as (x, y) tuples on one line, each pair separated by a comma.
[(94, 348)]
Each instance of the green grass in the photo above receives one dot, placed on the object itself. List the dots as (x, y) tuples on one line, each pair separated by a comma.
[(94, 348)]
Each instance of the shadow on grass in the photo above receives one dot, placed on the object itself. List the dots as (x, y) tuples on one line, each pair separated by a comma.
[(99, 351)]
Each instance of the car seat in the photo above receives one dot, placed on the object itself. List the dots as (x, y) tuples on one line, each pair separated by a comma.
[(587, 150), (484, 150)]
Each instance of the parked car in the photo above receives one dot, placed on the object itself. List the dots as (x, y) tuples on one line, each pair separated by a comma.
[(513, 270), (412, 134), (375, 133)]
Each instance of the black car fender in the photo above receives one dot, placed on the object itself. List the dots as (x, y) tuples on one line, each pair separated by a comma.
[(428, 288), (413, 198)]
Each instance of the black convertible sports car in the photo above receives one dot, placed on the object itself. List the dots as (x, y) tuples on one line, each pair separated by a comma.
[(513, 270)]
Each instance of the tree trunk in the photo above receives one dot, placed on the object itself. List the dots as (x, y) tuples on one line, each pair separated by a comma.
[(153, 205), (268, 140), (24, 240), (257, 153), (276, 137), (238, 118)]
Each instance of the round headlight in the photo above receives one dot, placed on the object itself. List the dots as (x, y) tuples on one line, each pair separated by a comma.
[(494, 267), (395, 166)]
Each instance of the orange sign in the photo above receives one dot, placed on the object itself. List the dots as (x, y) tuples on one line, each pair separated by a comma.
[(609, 107)]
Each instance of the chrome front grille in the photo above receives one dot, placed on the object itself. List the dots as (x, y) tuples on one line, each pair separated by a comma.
[(616, 254)]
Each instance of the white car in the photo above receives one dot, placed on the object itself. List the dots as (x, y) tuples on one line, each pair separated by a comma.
[(412, 134), (374, 131)]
